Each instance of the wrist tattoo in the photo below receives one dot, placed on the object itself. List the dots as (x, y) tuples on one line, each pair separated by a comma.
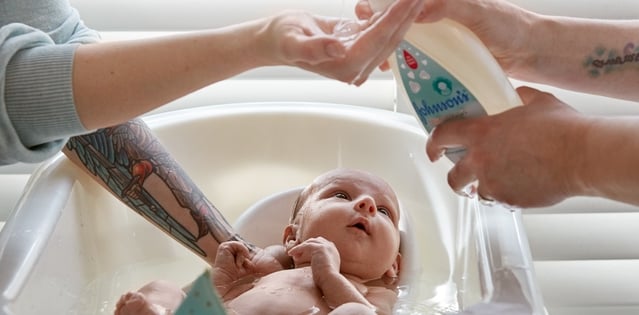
[(603, 60)]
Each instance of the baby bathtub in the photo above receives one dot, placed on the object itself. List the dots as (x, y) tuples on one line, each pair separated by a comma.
[(71, 248)]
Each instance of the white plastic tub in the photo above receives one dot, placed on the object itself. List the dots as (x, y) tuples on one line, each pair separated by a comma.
[(72, 248)]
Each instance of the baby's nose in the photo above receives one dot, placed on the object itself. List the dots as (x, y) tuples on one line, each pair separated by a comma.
[(366, 204)]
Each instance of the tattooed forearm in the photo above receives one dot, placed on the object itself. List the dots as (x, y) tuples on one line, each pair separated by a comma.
[(123, 157), (603, 60)]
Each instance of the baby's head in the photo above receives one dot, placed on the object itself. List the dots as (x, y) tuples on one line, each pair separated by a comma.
[(359, 213)]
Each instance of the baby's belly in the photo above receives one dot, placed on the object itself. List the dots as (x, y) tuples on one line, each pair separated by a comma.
[(289, 292)]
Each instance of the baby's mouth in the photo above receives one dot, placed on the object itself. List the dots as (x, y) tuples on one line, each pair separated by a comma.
[(360, 225)]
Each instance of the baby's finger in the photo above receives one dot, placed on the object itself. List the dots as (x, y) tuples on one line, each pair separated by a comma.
[(241, 254), (300, 254)]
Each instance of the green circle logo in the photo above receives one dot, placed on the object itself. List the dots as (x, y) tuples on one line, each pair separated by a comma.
[(443, 86)]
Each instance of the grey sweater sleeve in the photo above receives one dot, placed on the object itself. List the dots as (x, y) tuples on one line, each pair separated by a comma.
[(37, 111)]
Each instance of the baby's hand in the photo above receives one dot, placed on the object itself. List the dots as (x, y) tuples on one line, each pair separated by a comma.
[(270, 259), (231, 264), (321, 254)]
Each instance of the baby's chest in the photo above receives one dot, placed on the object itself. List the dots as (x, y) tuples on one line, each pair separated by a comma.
[(290, 292), (288, 282)]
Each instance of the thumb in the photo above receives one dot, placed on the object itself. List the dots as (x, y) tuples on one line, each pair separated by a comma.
[(527, 94), (465, 12), (433, 11)]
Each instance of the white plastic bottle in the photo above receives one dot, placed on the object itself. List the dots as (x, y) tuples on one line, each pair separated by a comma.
[(444, 71)]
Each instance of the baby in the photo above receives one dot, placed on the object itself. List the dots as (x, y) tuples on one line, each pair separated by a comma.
[(343, 242)]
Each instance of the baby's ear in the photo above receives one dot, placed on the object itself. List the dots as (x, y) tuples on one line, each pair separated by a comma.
[(290, 236), (391, 276)]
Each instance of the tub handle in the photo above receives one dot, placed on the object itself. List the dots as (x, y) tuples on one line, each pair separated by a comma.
[(29, 227)]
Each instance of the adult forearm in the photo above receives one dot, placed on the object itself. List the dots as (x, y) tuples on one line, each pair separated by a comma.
[(610, 154), (592, 56), (129, 161), (117, 81)]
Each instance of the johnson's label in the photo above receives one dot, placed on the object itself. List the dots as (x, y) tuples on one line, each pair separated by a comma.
[(433, 92)]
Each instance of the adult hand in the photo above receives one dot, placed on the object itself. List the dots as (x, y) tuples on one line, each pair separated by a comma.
[(528, 156), (316, 44), (499, 24)]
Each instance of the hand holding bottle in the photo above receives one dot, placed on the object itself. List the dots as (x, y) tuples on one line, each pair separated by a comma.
[(509, 164), (487, 19)]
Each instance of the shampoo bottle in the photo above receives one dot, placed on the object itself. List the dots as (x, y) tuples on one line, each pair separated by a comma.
[(443, 71)]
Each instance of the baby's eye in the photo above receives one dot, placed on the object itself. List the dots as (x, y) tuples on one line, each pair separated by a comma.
[(383, 211), (341, 195)]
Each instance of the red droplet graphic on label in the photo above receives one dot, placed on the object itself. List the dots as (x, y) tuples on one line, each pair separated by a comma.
[(410, 60)]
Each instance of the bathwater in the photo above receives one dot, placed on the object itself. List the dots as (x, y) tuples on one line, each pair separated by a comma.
[(101, 295)]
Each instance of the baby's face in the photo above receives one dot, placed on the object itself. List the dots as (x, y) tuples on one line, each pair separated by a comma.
[(359, 212)]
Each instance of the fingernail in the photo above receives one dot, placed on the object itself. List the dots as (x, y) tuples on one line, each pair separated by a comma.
[(436, 157), (335, 50), (468, 191)]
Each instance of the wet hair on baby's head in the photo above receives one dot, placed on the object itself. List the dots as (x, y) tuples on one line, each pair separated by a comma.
[(299, 201), (320, 181), (296, 208)]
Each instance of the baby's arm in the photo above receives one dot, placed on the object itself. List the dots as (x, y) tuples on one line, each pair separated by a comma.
[(325, 263), (270, 259)]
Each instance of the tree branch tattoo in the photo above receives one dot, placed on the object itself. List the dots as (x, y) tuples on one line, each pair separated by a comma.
[(123, 157)]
